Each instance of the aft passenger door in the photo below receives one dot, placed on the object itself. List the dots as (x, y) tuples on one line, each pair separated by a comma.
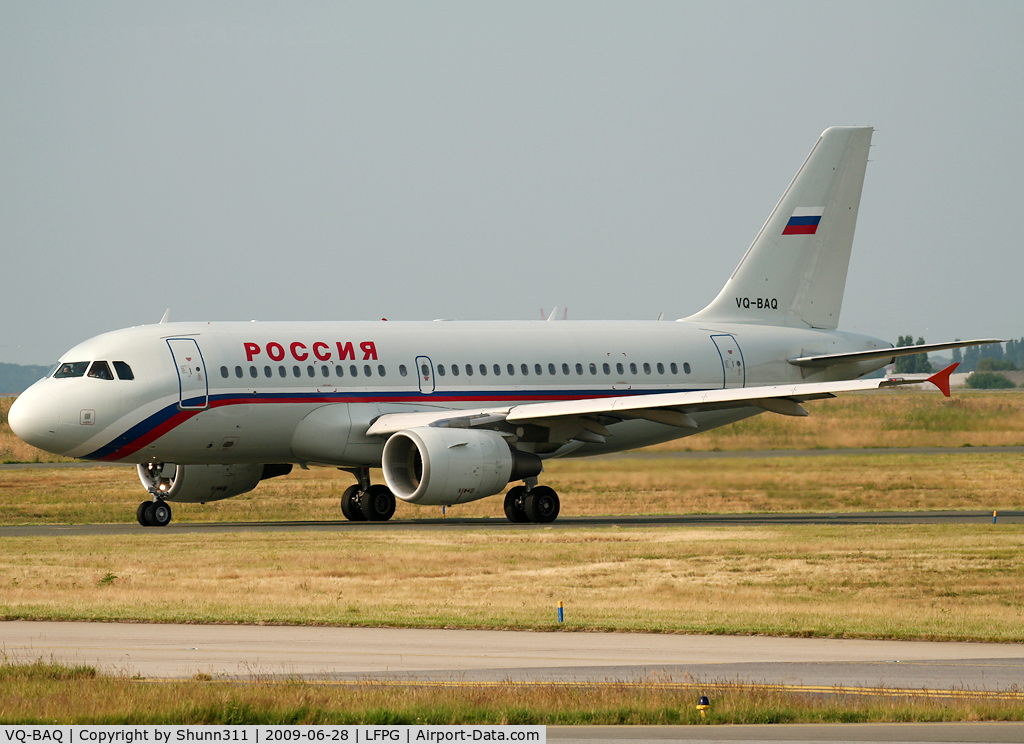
[(734, 375), (193, 390)]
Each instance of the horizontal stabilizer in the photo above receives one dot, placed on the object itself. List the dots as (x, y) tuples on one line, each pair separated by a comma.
[(828, 360)]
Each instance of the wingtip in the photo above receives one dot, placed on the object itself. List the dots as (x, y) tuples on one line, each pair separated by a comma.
[(941, 378)]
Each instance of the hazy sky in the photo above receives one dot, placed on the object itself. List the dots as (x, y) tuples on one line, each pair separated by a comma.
[(333, 160)]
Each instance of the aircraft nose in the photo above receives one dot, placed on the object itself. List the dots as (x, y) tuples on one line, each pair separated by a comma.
[(34, 417)]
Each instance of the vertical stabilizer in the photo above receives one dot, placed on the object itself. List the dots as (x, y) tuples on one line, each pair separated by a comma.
[(794, 273)]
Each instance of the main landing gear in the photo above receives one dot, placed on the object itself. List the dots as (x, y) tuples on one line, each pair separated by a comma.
[(154, 513), (539, 504), (365, 503)]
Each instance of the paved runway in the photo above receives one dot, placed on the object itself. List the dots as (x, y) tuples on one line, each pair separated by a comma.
[(329, 653), (672, 520)]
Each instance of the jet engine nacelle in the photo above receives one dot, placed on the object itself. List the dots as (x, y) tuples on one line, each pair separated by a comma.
[(428, 465), (201, 483)]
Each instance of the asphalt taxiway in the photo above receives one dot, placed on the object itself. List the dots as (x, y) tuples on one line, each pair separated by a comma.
[(332, 653)]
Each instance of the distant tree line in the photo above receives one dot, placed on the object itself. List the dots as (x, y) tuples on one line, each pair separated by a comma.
[(15, 378), (983, 362), (991, 357), (912, 363)]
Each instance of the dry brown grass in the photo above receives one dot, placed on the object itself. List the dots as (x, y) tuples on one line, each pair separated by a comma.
[(588, 487), (40, 693), (929, 582), (888, 419)]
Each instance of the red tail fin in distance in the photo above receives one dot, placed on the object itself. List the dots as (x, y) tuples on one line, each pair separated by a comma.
[(941, 379)]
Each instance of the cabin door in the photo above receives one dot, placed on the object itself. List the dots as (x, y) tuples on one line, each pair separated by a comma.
[(734, 373), (425, 373), (193, 390)]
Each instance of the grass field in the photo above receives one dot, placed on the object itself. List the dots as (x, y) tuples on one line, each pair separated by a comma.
[(53, 694), (587, 487), (939, 582)]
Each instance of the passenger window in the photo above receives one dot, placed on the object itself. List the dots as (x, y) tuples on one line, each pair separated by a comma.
[(224, 372), (268, 372), (339, 370), (310, 371), (673, 368), (524, 369), (607, 369), (253, 373), (353, 370), (455, 370), (469, 370), (593, 368), (632, 367), (325, 371), (565, 368), (238, 372), (511, 368), (483, 369), (440, 370), (619, 368), (661, 368), (100, 371), (124, 372), (380, 370), (551, 368), (296, 372), (403, 371), (367, 371), (537, 369), (579, 368), (497, 369), (282, 372), (686, 367), (647, 368)]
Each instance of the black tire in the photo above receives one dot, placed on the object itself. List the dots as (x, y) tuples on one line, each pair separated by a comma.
[(350, 504), (378, 503), (147, 514), (514, 505), (160, 514), (140, 513), (542, 505)]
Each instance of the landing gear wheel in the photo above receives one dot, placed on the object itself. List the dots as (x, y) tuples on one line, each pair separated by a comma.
[(350, 504), (140, 513), (541, 505), (378, 503), (514, 505), (147, 514), (160, 514)]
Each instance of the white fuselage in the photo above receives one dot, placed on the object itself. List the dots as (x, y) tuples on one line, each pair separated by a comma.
[(238, 392)]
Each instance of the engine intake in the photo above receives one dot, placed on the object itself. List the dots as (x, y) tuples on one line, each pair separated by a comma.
[(201, 483), (428, 465)]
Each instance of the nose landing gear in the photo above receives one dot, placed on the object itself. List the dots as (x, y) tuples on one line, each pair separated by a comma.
[(154, 513)]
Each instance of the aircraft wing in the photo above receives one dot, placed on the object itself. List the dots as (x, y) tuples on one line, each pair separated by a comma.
[(582, 416)]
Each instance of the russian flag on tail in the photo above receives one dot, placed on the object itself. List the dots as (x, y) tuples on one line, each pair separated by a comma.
[(804, 221)]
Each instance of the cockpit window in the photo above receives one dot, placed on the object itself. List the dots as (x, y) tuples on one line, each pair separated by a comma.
[(124, 372), (71, 369), (101, 371)]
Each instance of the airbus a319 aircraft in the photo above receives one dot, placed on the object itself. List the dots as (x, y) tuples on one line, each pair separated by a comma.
[(457, 411)]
